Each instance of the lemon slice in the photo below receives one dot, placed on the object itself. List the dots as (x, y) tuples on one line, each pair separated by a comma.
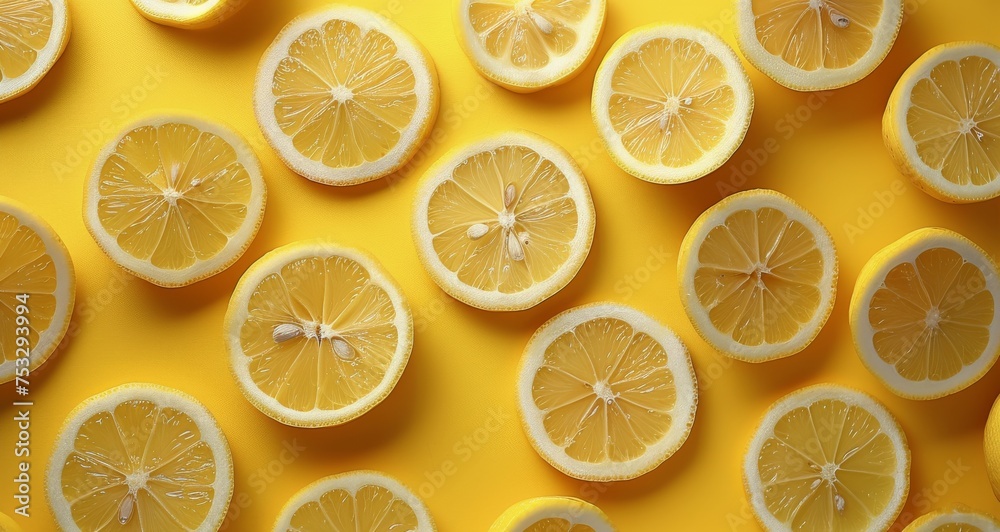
[(345, 96), (359, 500), (140, 457), (606, 392), (175, 199), (33, 34), (317, 334), (827, 458), (528, 45), (991, 444), (758, 276), (37, 289), (811, 45), (924, 314), (954, 520), (942, 123), (505, 222), (552, 514), (188, 14), (672, 103)]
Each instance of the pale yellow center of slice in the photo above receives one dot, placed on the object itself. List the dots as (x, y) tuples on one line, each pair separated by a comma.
[(173, 195), (528, 33), (25, 26), (605, 391), (670, 102), (954, 120), (25, 268), (932, 316), (344, 95), (556, 524), (758, 276), (139, 463), (828, 466), (370, 508), (817, 34), (343, 334)]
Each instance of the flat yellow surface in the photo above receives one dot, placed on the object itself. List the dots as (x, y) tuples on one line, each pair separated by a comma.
[(450, 428)]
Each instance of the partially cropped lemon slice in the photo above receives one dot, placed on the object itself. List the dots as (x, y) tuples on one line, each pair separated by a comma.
[(37, 289), (140, 457), (811, 45), (528, 45), (345, 96), (942, 123), (954, 520), (33, 34), (991, 445), (827, 458), (672, 103), (552, 514), (317, 334), (606, 392), (505, 222), (174, 199), (188, 14), (758, 276), (359, 500), (925, 314)]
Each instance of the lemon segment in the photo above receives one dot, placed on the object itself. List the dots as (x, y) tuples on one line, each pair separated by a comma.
[(827, 458), (528, 45), (345, 96), (672, 103), (991, 445), (942, 122), (954, 520), (505, 222), (33, 34), (758, 276), (924, 314), (188, 14), (552, 514), (606, 393), (359, 500), (140, 457)]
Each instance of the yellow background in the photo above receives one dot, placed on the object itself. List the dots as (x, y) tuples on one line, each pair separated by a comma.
[(437, 423)]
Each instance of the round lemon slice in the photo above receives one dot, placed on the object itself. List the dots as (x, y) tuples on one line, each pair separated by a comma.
[(924, 314), (991, 444), (827, 458), (175, 199), (37, 289), (528, 45), (188, 14), (505, 222), (758, 276), (359, 500), (606, 392), (140, 457), (345, 96), (811, 45), (954, 520), (317, 334), (33, 34), (942, 122), (672, 103), (552, 514)]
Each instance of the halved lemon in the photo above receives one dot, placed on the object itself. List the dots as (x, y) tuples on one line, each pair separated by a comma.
[(140, 457), (672, 103), (758, 276), (345, 96), (552, 514), (991, 445), (528, 45), (188, 14), (505, 222), (954, 520), (175, 199), (942, 122), (827, 458), (317, 334), (37, 289), (924, 314), (359, 500), (606, 392), (33, 34), (811, 45)]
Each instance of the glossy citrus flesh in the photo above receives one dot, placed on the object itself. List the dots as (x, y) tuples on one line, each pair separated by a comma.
[(528, 35), (25, 268), (25, 27), (556, 524), (372, 508)]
